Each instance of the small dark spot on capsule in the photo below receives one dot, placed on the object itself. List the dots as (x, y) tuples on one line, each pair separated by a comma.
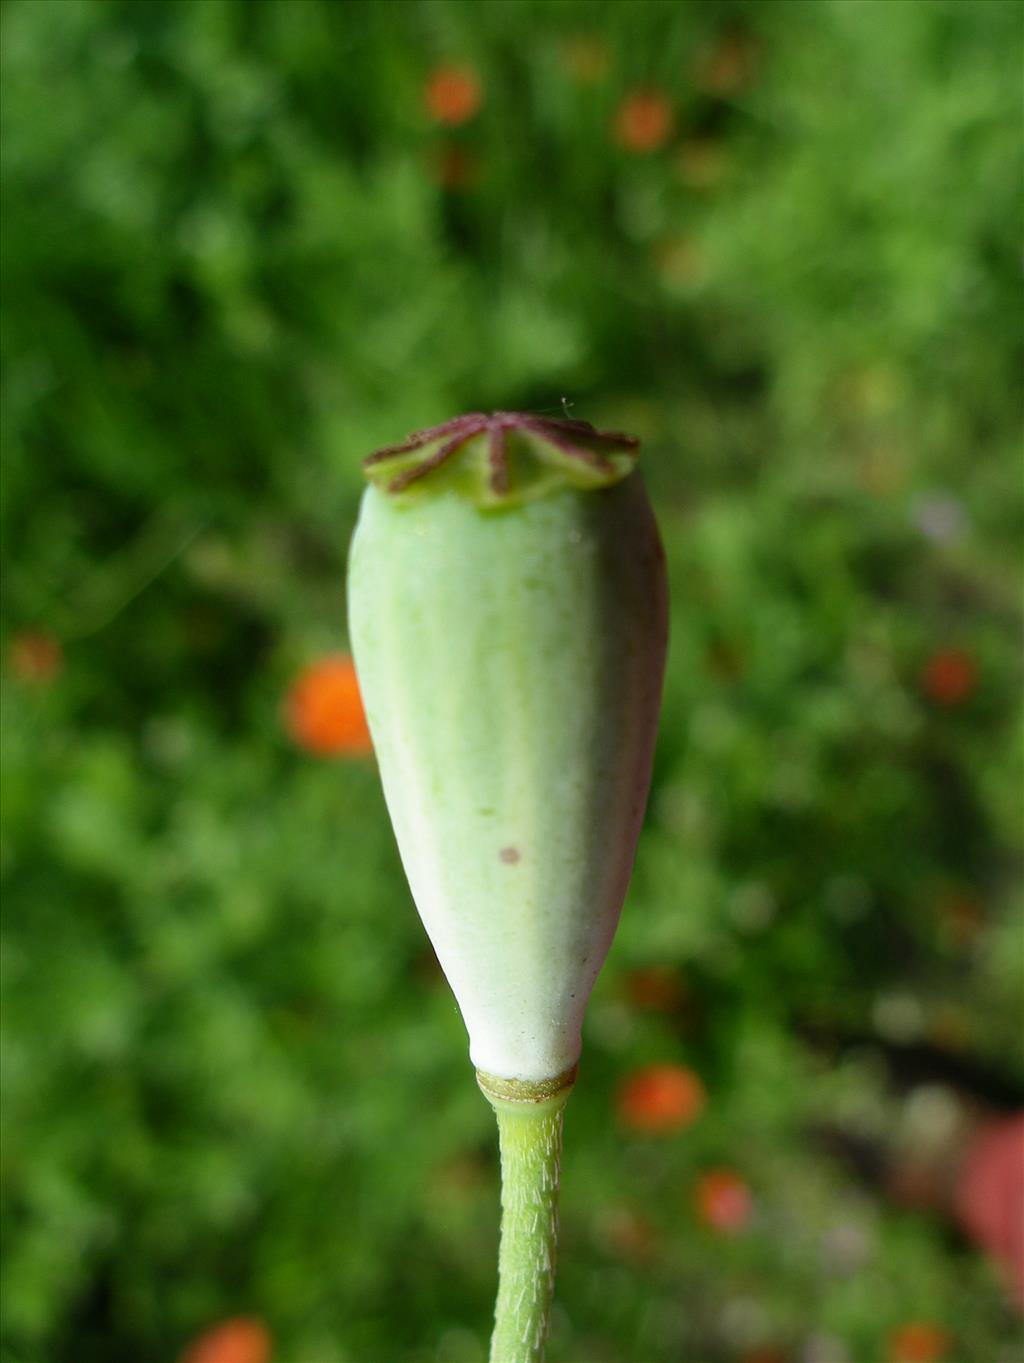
[(509, 855)]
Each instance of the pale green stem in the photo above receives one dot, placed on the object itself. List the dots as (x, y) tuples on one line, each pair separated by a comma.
[(530, 1136)]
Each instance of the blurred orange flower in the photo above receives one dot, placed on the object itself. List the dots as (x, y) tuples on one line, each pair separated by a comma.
[(643, 121), (241, 1340), (36, 657), (961, 916), (660, 1099), (628, 1235), (655, 988), (949, 676), (324, 710), (918, 1341), (452, 95), (722, 1201), (729, 65)]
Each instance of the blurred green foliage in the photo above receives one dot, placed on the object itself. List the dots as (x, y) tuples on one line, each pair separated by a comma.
[(238, 254)]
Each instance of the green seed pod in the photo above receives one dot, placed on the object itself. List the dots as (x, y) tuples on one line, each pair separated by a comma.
[(507, 608)]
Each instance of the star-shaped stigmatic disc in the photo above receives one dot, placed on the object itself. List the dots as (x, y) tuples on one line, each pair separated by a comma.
[(500, 459)]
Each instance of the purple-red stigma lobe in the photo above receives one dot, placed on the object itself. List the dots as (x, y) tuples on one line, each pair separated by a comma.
[(562, 433)]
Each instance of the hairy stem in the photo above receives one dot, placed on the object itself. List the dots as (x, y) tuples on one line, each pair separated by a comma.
[(530, 1136)]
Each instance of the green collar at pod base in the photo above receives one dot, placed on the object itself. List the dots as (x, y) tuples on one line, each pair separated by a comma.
[(519, 1093), (501, 459)]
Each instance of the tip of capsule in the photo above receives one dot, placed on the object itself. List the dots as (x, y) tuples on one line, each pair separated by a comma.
[(498, 459)]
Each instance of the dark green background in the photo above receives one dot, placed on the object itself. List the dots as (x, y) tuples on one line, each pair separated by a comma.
[(233, 1080)]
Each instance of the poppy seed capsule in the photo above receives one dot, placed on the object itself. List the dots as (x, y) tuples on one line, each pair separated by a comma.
[(507, 609)]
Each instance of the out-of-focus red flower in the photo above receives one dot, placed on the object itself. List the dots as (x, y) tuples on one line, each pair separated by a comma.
[(643, 121), (919, 1341), (241, 1340), (36, 657), (454, 167), (989, 1200), (723, 1201), (655, 988), (660, 1099), (765, 1355), (324, 710), (628, 1235), (949, 676), (961, 916), (452, 94), (729, 64), (586, 58)]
